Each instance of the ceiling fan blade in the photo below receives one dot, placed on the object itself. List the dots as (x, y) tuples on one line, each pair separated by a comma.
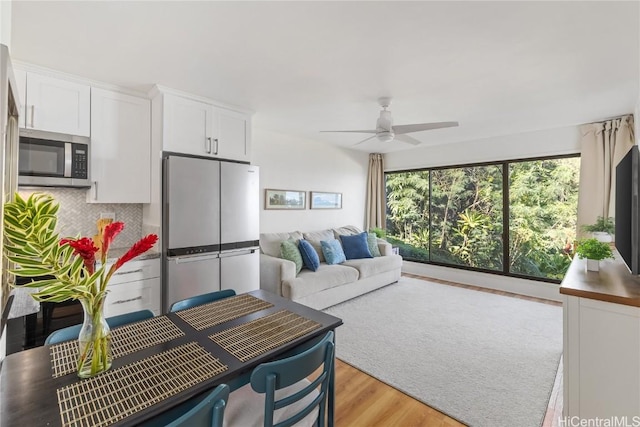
[(407, 138), (364, 140), (400, 129), (351, 131)]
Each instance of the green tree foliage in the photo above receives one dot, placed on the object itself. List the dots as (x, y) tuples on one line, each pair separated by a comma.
[(462, 222)]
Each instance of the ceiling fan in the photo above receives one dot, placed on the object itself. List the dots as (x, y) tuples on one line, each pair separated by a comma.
[(385, 131)]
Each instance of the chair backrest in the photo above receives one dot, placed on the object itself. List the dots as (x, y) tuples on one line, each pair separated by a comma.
[(272, 376), (72, 332), (209, 412), (201, 299)]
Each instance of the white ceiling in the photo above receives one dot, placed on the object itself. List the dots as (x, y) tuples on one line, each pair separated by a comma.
[(496, 67)]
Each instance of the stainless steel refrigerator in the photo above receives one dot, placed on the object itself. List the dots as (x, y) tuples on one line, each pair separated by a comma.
[(210, 227)]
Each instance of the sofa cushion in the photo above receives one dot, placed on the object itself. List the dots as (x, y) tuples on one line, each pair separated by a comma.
[(270, 242), (326, 277), (355, 247), (314, 237), (347, 230), (289, 250), (309, 255), (372, 242), (371, 266), (332, 251)]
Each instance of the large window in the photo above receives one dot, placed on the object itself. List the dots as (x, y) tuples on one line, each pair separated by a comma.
[(516, 218)]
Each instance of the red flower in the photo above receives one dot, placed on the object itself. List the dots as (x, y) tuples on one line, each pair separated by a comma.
[(85, 249), (110, 233), (140, 247)]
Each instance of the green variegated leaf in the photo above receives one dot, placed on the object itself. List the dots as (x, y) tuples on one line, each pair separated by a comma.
[(30, 272)]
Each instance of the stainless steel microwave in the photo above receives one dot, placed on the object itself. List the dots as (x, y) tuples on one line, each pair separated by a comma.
[(50, 159)]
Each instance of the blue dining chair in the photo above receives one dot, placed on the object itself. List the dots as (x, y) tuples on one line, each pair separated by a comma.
[(208, 413), (281, 394), (201, 299), (72, 332)]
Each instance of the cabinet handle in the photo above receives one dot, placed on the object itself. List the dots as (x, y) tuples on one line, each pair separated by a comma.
[(33, 111), (95, 190), (122, 301), (216, 150), (207, 145), (140, 270)]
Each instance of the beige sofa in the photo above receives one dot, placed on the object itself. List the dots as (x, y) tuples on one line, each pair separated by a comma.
[(330, 284)]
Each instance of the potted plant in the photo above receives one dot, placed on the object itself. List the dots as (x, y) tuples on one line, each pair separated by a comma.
[(594, 251), (603, 229)]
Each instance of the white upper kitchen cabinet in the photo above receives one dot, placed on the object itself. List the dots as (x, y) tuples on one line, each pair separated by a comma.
[(232, 135), (120, 148), (57, 105), (188, 126), (194, 126), (21, 81)]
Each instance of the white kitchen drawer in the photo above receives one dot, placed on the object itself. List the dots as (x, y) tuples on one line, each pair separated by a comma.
[(136, 270), (133, 296)]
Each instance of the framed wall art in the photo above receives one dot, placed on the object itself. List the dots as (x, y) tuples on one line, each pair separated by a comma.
[(285, 199), (323, 200)]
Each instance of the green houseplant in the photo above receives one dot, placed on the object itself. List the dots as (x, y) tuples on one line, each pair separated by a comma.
[(595, 251), (33, 245)]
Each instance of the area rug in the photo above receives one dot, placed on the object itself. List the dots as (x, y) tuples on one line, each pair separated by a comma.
[(481, 358)]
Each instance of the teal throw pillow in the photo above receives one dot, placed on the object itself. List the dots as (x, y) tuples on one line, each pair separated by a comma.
[(289, 250), (372, 242), (332, 251), (356, 247), (309, 255)]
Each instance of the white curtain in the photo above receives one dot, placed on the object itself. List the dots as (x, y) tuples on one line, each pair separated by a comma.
[(376, 197), (603, 145)]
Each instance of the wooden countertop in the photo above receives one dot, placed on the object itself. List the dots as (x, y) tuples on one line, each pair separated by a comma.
[(613, 283)]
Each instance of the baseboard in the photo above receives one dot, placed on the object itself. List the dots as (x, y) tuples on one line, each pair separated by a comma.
[(514, 285)]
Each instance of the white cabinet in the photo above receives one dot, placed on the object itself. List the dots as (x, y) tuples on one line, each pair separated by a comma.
[(188, 126), (56, 105), (192, 126), (232, 134), (21, 81), (601, 342), (135, 286), (120, 148)]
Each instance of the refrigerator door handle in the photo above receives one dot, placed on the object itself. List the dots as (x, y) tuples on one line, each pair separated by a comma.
[(238, 252), (192, 258)]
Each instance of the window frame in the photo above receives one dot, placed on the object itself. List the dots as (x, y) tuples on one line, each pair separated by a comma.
[(506, 211)]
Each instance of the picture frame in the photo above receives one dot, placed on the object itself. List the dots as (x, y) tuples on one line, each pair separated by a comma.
[(325, 200), (285, 199)]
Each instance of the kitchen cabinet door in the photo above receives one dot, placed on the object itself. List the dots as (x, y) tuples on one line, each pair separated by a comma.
[(232, 133), (57, 105), (188, 126), (21, 82), (120, 148)]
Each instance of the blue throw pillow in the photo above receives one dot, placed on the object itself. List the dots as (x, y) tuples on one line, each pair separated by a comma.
[(309, 255), (356, 247), (332, 251)]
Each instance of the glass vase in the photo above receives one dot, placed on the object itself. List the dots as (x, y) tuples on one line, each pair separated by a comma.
[(94, 341)]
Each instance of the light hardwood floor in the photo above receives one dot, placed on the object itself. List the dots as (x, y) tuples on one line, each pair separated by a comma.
[(364, 401)]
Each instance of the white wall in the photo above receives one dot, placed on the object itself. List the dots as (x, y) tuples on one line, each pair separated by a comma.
[(5, 23), (291, 163), (548, 142)]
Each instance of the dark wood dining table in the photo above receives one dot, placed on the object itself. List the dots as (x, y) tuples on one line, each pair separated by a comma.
[(158, 363)]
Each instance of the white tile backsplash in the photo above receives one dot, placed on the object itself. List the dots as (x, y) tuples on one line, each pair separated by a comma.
[(77, 217)]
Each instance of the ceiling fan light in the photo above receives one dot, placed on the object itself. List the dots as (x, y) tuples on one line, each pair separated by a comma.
[(385, 136)]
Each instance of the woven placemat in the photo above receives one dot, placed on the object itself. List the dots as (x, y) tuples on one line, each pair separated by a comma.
[(261, 335), (124, 340), (217, 312), (119, 393)]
